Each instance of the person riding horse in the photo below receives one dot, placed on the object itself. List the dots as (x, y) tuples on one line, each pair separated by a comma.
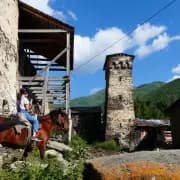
[(24, 108)]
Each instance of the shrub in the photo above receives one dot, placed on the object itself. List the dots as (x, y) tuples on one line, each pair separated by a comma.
[(79, 151), (32, 169), (108, 145)]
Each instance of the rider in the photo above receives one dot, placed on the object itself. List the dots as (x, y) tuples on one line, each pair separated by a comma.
[(24, 107)]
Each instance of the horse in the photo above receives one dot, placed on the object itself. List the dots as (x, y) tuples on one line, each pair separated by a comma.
[(9, 136)]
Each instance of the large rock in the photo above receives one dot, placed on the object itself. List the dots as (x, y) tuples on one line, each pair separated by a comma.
[(9, 155), (57, 155), (139, 165), (58, 146)]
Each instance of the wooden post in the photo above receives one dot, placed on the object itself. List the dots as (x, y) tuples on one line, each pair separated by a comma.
[(68, 85), (44, 101)]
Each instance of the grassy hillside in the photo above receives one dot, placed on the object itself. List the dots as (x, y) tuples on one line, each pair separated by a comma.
[(167, 94), (96, 99), (145, 89), (154, 103)]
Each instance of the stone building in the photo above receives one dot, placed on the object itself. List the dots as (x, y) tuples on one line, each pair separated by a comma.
[(33, 43), (174, 114), (87, 122), (8, 53), (119, 108)]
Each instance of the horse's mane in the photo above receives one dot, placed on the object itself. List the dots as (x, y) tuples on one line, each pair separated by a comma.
[(54, 115)]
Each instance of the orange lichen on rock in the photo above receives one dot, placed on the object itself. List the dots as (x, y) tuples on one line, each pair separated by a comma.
[(139, 170)]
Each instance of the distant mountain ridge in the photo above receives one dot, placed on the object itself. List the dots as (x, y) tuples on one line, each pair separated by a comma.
[(150, 99)]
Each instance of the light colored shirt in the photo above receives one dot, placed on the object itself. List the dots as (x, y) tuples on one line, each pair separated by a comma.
[(24, 100)]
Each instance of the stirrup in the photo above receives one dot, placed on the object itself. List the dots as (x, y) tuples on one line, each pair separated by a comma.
[(35, 139)]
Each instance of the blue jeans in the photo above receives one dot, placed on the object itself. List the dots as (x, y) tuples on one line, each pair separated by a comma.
[(32, 119)]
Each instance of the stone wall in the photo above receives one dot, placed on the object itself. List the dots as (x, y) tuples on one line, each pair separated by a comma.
[(8, 53), (119, 101)]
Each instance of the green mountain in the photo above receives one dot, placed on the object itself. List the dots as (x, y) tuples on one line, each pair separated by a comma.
[(96, 99), (150, 99), (165, 95), (142, 90)]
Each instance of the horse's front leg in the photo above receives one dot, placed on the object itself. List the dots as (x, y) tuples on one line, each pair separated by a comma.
[(42, 147)]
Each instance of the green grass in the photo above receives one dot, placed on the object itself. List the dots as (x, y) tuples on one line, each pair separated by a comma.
[(108, 145)]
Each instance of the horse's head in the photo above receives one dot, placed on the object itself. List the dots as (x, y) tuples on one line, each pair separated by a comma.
[(60, 118)]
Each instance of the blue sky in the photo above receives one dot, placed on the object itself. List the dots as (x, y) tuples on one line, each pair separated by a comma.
[(98, 24)]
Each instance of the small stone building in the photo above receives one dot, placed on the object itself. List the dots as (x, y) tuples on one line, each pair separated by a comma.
[(87, 122), (119, 108), (152, 133), (174, 113)]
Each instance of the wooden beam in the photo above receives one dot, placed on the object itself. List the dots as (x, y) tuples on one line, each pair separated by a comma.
[(51, 98), (50, 95), (49, 88), (41, 78), (51, 83), (34, 40), (52, 91), (33, 59), (51, 69), (31, 83), (41, 31), (68, 111), (44, 64)]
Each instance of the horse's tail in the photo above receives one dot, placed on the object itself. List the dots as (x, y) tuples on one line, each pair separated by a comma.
[(9, 123)]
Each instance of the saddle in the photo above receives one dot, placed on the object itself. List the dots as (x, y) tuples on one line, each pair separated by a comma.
[(26, 125)]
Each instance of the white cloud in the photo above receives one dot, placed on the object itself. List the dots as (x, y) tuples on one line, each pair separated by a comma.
[(176, 70), (173, 78), (94, 90), (145, 40), (88, 47), (43, 5), (146, 32), (72, 15), (160, 42)]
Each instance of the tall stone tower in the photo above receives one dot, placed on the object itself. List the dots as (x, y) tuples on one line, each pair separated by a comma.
[(119, 100), (8, 52)]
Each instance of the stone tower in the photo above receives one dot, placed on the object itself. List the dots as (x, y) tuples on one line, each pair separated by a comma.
[(8, 53), (119, 100)]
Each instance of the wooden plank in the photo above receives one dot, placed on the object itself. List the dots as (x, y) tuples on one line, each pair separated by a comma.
[(51, 83), (40, 78), (49, 89), (31, 83), (51, 69), (44, 91), (34, 60), (36, 40), (52, 91), (41, 31), (68, 111), (50, 95), (44, 64), (51, 99)]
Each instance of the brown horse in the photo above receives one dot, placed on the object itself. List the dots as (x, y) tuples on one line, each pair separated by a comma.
[(9, 136)]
